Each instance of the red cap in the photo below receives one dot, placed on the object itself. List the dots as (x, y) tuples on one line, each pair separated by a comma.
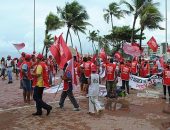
[(27, 56), (40, 56)]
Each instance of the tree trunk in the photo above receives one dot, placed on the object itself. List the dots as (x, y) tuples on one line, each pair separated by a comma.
[(93, 47), (80, 43), (133, 28), (140, 44), (68, 30), (71, 39), (43, 49), (112, 21), (46, 51)]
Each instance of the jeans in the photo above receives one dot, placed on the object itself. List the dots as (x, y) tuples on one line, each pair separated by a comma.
[(9, 73), (68, 93), (124, 82), (38, 92)]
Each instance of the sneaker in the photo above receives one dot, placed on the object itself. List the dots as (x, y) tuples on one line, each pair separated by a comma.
[(87, 95), (76, 109), (164, 97)]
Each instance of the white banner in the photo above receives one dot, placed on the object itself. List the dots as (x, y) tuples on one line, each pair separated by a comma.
[(141, 83)]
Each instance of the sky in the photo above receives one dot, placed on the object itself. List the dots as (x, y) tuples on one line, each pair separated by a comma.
[(17, 17)]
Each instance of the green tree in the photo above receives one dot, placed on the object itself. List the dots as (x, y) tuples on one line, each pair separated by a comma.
[(113, 11), (150, 18), (52, 22), (74, 15), (93, 37), (120, 35), (136, 8)]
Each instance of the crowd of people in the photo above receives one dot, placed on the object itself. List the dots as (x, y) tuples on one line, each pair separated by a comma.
[(37, 72)]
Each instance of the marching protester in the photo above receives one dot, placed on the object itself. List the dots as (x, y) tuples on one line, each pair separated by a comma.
[(9, 64), (68, 89), (125, 75), (25, 75), (50, 64), (93, 91), (154, 69), (40, 81), (134, 67), (16, 69), (111, 77), (3, 68), (166, 80), (87, 72)]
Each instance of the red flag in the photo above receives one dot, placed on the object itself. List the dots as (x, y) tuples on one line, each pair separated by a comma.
[(103, 55), (70, 68), (19, 46), (153, 44), (94, 58), (118, 56), (60, 51), (77, 55), (168, 48), (161, 60)]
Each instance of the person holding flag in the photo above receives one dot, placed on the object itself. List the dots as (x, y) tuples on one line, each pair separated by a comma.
[(68, 86)]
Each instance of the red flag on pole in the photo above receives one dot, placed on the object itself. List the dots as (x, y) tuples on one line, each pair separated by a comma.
[(60, 51), (77, 55), (168, 49), (153, 44), (19, 46)]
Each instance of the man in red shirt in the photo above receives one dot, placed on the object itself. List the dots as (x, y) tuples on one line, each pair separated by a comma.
[(125, 75), (111, 77)]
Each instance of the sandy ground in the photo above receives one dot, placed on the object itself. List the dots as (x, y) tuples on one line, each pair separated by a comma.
[(143, 113)]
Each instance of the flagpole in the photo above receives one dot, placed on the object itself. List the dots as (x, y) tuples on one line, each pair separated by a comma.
[(166, 28), (34, 29)]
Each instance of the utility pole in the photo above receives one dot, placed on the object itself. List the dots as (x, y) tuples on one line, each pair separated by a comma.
[(34, 29), (166, 42)]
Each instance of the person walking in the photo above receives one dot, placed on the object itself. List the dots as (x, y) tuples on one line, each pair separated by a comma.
[(67, 90), (40, 81), (94, 92), (9, 69)]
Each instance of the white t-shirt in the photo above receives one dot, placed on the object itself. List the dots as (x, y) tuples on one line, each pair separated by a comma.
[(9, 63), (94, 86)]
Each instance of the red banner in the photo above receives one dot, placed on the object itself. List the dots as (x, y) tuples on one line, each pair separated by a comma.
[(153, 44)]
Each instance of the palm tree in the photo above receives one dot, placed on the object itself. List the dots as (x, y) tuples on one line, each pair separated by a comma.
[(73, 14), (47, 42), (136, 8), (80, 28), (52, 22), (113, 10), (150, 18), (93, 37)]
